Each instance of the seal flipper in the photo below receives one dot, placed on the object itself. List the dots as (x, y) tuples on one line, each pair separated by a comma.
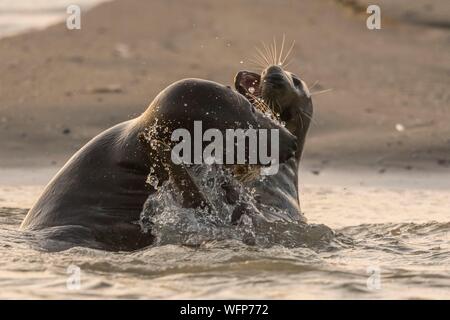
[(191, 193), (189, 190)]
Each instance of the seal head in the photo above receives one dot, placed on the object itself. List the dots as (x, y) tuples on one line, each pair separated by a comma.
[(287, 97)]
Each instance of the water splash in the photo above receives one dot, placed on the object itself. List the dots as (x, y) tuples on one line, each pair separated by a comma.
[(171, 223)]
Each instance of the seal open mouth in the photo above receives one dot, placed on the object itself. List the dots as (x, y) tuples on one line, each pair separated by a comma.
[(247, 83), (260, 90), (251, 84)]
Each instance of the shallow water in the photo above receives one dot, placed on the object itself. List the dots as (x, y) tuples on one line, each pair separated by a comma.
[(392, 242)]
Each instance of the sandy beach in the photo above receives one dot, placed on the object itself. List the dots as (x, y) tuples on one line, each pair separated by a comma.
[(377, 156), (59, 87)]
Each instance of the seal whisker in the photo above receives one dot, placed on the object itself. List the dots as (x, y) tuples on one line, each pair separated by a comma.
[(267, 52), (269, 48), (289, 52), (265, 60), (273, 104), (275, 55), (281, 51), (308, 116), (256, 100), (299, 115), (271, 53), (279, 108), (260, 60), (288, 63), (251, 174), (260, 104), (256, 66), (270, 103), (320, 92), (262, 55), (314, 84), (257, 63)]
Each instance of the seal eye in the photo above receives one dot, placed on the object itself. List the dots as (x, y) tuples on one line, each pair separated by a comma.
[(297, 82)]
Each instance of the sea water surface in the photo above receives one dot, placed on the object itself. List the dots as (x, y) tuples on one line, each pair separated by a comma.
[(18, 16), (391, 241)]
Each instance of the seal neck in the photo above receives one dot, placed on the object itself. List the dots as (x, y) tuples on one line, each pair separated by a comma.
[(297, 124)]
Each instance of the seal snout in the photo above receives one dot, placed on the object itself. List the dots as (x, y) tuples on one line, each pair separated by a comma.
[(274, 77)]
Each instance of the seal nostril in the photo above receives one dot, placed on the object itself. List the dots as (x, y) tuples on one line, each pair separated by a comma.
[(273, 74), (275, 77)]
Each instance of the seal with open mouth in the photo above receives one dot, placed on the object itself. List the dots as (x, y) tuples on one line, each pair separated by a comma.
[(286, 97)]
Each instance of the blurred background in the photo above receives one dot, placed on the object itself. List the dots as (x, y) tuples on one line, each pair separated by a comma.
[(388, 108)]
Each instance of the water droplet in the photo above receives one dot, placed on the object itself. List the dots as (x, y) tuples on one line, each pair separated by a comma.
[(153, 181), (399, 127)]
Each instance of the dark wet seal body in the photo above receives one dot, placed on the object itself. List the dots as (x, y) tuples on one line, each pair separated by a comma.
[(96, 199)]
